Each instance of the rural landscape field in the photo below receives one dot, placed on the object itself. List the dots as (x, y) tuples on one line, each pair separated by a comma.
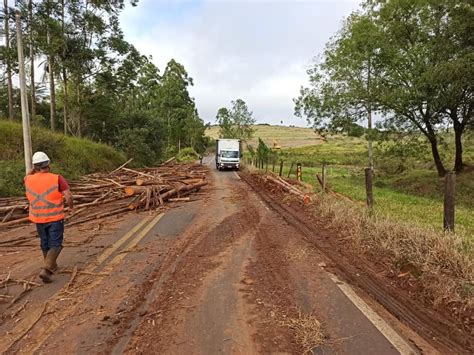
[(407, 190), (237, 177)]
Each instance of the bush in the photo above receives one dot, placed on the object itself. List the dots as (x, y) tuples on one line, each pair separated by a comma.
[(355, 131), (187, 154)]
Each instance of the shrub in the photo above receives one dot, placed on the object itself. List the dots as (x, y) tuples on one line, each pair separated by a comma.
[(187, 154)]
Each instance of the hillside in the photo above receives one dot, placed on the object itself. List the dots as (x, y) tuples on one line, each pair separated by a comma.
[(285, 136), (70, 156)]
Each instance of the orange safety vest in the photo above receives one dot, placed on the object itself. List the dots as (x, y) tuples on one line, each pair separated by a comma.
[(46, 202)]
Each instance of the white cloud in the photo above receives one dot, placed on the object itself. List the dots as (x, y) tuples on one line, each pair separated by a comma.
[(257, 51)]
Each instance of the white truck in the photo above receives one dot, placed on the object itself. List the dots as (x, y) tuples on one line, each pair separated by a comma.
[(228, 154)]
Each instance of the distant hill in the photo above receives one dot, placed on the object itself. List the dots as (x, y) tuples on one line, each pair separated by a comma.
[(284, 135)]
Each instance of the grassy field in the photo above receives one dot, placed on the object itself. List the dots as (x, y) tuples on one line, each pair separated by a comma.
[(401, 201), (413, 195), (285, 136)]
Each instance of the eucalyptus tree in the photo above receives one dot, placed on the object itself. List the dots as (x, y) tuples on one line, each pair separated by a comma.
[(7, 58), (175, 103)]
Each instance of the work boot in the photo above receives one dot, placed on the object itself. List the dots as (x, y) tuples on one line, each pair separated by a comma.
[(51, 257), (45, 276), (50, 264)]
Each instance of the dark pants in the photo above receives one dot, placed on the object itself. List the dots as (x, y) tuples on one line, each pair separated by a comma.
[(51, 234)]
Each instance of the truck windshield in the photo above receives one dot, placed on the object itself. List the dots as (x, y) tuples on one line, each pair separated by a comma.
[(229, 154)]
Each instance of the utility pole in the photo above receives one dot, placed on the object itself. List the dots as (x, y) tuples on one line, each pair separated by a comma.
[(24, 98)]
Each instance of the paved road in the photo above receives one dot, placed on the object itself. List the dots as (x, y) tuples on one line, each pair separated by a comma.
[(221, 274)]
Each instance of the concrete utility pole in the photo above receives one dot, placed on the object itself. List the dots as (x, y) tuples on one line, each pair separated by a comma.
[(24, 98)]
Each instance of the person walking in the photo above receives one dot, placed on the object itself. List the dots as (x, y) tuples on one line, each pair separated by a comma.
[(45, 192)]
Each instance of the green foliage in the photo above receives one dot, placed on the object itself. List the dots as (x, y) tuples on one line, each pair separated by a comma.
[(72, 157), (355, 130), (11, 173), (412, 194), (237, 122), (133, 142), (396, 58), (396, 156), (187, 154), (263, 152), (110, 92)]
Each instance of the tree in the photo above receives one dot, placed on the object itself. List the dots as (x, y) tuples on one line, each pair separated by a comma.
[(32, 59), (345, 85), (224, 121), (236, 122), (175, 103), (409, 59), (7, 54)]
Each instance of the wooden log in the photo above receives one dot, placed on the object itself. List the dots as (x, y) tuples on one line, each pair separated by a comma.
[(133, 190), (9, 214), (138, 172), (287, 187), (169, 161), (121, 166)]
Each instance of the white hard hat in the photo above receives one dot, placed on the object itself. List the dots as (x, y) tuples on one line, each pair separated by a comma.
[(40, 157)]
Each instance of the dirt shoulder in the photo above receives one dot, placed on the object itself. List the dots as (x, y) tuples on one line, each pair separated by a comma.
[(370, 273)]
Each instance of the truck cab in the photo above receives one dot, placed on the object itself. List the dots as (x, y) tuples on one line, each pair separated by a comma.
[(228, 154)]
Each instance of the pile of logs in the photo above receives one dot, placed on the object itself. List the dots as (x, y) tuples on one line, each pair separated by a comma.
[(124, 189), (285, 186)]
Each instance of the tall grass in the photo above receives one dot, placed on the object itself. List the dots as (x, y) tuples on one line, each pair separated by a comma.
[(442, 263)]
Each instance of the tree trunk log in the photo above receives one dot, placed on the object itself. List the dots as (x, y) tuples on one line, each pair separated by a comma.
[(458, 162), (437, 158), (11, 112)]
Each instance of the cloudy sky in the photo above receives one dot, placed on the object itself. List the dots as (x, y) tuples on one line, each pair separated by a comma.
[(254, 50)]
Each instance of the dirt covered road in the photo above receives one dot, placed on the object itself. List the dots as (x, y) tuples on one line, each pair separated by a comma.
[(223, 273)]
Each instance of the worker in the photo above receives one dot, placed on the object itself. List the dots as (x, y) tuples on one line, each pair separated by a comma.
[(45, 192)]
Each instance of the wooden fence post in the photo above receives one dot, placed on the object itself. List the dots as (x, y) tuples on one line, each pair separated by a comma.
[(291, 168), (368, 187), (449, 192), (281, 167), (274, 161), (298, 172), (324, 177)]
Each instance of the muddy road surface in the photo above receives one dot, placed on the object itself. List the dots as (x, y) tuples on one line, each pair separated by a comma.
[(222, 274)]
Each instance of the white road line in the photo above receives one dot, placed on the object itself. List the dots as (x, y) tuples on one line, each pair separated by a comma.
[(388, 332)]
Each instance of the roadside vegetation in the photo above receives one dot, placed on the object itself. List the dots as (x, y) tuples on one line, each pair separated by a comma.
[(442, 263), (96, 85), (70, 156), (406, 189)]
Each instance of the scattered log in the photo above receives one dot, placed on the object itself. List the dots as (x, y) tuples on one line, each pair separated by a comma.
[(121, 190), (121, 166), (178, 199)]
